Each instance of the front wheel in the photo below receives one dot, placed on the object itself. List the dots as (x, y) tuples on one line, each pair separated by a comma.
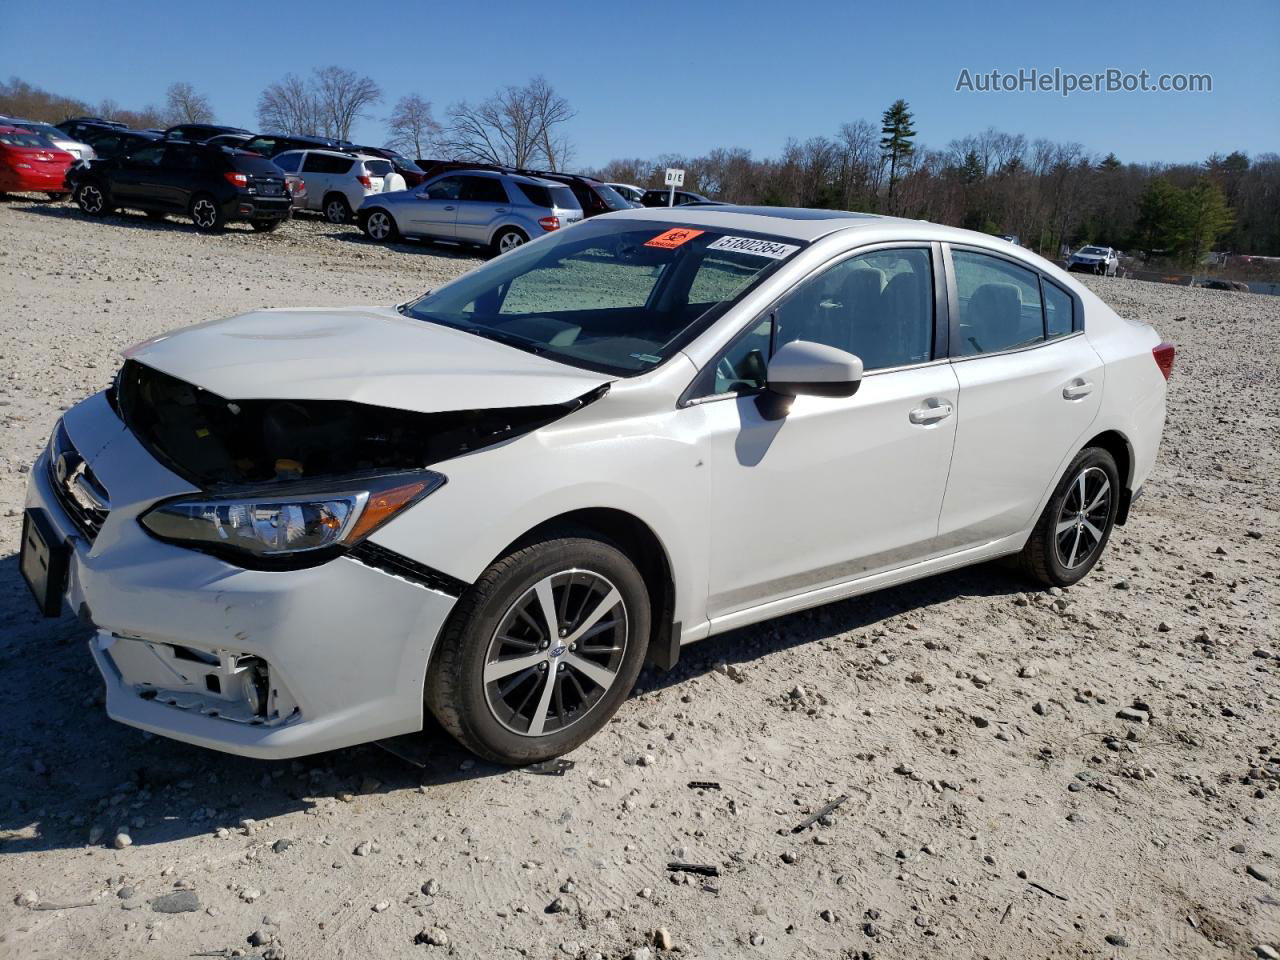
[(541, 650), (507, 240), (206, 214), (1077, 521), (91, 200)]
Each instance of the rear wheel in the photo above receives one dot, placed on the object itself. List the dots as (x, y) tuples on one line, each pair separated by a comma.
[(91, 200), (1077, 521), (206, 214), (507, 240), (380, 226), (336, 208), (541, 650)]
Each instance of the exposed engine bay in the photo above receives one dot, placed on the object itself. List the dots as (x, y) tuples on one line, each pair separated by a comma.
[(215, 442)]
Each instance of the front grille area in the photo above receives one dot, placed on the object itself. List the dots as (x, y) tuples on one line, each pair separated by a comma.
[(76, 488)]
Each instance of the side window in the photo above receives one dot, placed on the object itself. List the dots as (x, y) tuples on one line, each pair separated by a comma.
[(483, 190), (743, 366), (447, 189), (288, 161), (1058, 306), (148, 157), (313, 163), (878, 306), (999, 304)]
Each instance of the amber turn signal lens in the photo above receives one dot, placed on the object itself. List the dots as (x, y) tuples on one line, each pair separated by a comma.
[(381, 507)]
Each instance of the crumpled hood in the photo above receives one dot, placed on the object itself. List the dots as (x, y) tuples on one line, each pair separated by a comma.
[(371, 355)]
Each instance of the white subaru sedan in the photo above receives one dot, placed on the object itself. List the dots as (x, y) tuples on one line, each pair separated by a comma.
[(296, 530)]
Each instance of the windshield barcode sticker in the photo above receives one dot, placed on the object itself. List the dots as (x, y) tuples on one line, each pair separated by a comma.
[(757, 248)]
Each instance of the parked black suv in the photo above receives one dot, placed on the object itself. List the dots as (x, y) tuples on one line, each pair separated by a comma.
[(210, 184), (200, 132), (82, 128)]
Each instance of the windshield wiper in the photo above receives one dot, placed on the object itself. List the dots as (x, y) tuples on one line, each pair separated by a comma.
[(510, 339)]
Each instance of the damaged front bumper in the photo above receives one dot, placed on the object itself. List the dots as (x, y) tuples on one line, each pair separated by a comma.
[(261, 663)]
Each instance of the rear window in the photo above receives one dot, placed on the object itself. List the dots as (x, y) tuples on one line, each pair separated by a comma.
[(549, 197), (253, 164), (378, 168), (25, 139)]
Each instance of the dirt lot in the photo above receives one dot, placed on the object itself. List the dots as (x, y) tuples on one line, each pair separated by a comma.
[(998, 807)]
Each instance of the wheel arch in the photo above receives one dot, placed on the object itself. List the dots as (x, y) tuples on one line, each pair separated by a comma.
[(638, 541), (508, 225), (1116, 444)]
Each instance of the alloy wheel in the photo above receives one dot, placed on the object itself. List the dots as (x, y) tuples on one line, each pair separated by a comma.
[(509, 241), (90, 199), (335, 212), (556, 653), (1083, 517), (379, 226), (204, 213)]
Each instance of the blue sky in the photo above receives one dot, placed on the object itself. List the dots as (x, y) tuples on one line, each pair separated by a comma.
[(686, 77)]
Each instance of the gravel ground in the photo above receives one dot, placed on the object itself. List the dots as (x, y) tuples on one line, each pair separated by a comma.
[(997, 804)]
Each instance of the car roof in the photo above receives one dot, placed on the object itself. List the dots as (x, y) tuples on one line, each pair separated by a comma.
[(797, 223)]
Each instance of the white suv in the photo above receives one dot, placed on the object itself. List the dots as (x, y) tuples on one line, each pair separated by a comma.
[(337, 183)]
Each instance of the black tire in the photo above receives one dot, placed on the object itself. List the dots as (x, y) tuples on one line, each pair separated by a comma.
[(206, 214), (379, 226), (507, 239), (468, 708), (266, 226), (92, 200), (336, 209), (1052, 557)]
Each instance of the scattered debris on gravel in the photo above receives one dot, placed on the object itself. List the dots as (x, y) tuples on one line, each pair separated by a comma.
[(1090, 772)]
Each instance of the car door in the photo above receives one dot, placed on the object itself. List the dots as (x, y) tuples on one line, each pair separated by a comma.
[(482, 201), (133, 181), (1030, 387), (838, 488), (434, 212), (318, 170)]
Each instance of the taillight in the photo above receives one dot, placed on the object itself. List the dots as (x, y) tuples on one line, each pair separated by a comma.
[(365, 182), (549, 223), (1164, 358), (237, 179)]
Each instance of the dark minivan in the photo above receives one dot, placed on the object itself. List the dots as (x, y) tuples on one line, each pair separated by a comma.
[(212, 185)]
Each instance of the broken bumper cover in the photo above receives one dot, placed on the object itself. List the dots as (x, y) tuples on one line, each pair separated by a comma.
[(302, 661)]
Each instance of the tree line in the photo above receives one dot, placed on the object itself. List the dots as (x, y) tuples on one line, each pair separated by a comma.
[(1049, 194)]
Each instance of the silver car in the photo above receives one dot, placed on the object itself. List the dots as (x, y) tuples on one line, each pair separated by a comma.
[(59, 138), (486, 208)]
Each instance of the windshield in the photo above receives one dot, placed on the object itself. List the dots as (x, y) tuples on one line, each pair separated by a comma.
[(1094, 251), (22, 138), (618, 297)]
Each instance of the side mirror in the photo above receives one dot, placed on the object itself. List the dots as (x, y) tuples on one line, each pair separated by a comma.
[(804, 368)]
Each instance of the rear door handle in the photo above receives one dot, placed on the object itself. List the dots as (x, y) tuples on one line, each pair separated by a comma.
[(449, 208), (935, 409), (1077, 389)]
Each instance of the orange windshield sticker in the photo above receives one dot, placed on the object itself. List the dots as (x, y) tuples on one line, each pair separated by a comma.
[(673, 238)]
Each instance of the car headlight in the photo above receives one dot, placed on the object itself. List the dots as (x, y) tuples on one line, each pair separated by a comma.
[(305, 523)]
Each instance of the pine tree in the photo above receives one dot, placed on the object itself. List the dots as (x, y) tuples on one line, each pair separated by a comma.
[(896, 144), (1205, 217), (1159, 216)]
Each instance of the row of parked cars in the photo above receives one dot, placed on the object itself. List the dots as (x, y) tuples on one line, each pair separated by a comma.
[(215, 174)]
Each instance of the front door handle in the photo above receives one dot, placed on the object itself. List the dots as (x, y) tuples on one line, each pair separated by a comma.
[(935, 409), (501, 210), (1077, 389), (449, 208)]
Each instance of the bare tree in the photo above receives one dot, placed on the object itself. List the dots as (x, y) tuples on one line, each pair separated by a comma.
[(343, 97), (411, 126), (289, 106), (520, 126), (184, 105)]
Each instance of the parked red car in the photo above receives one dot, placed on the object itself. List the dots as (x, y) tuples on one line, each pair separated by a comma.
[(29, 162)]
